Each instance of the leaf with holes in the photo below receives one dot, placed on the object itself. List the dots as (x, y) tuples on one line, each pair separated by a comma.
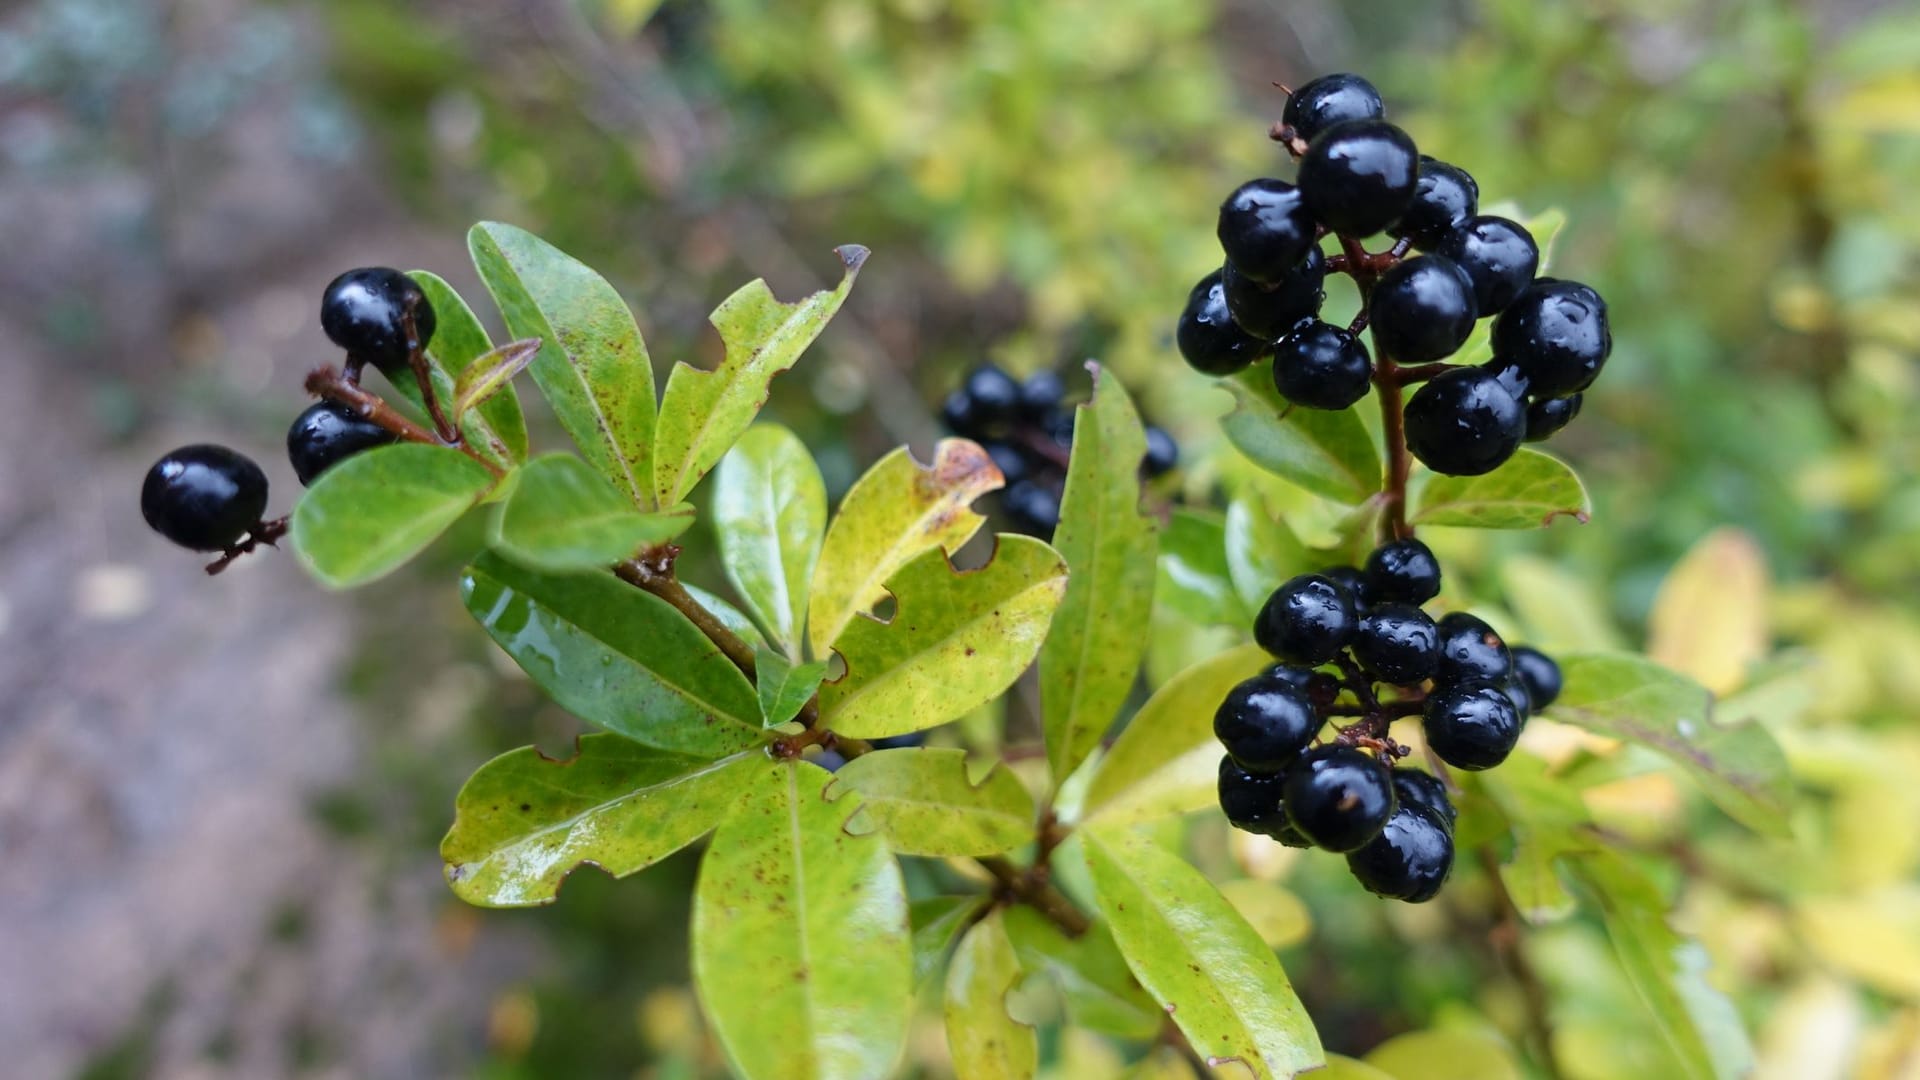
[(770, 513), (984, 1041), (923, 800), (496, 428), (372, 512), (1330, 453), (563, 516), (1528, 492)]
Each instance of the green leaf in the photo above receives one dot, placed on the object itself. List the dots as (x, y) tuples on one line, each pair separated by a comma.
[(1261, 554), (936, 921), (921, 798), (730, 617), (705, 411), (490, 374), (496, 428), (616, 656), (955, 641), (1167, 761), (1700, 1025), (1194, 580), (984, 1041), (1346, 1068), (1326, 452), (375, 510), (1548, 819), (1199, 959), (784, 686), (523, 822), (892, 514), (1741, 768), (593, 366), (1444, 1055), (1099, 635), (563, 516), (800, 937), (770, 512), (1100, 992), (1528, 492)]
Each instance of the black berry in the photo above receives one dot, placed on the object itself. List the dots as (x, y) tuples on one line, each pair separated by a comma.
[(1265, 229), (1397, 644), (1307, 621), (1338, 797), (1516, 692), (1409, 860), (1471, 725), (1010, 461), (1556, 331), (1538, 672), (1268, 311), (204, 497), (1463, 422), (1499, 256), (1411, 787), (1358, 177), (1057, 426), (1404, 570), (1355, 582), (1265, 723), (1209, 340), (1444, 197), (363, 312), (1162, 452), (1034, 507), (959, 415), (1469, 649), (1329, 100), (327, 434), (995, 396), (896, 742), (1321, 366), (1042, 391), (1546, 416), (1252, 801), (1422, 309)]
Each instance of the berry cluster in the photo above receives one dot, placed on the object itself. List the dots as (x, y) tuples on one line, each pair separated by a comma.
[(212, 498), (1027, 428), (1358, 176), (1342, 637)]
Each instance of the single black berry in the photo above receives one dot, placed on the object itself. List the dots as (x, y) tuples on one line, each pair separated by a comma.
[(1463, 422), (995, 396), (1411, 787), (1409, 860), (1397, 644), (363, 312), (1539, 673), (959, 415), (1329, 100), (1499, 256), (1267, 311), (1546, 416), (1265, 229), (1308, 620), (1320, 687), (1338, 797), (1355, 582), (1422, 309), (1162, 452), (1009, 460), (1057, 426), (1033, 506), (1469, 649), (1265, 722), (898, 742), (1358, 177), (204, 497), (1444, 197), (1557, 332), (1404, 570), (1208, 338), (1516, 692), (1509, 376), (1252, 802), (1321, 366), (327, 434), (1472, 724), (1043, 390)]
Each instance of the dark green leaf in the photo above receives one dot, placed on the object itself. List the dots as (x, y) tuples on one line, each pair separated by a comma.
[(563, 516), (1100, 992), (784, 685), (1194, 577), (770, 513), (1329, 453), (365, 516), (984, 1041), (496, 428), (922, 799), (936, 921), (1261, 553), (1528, 492)]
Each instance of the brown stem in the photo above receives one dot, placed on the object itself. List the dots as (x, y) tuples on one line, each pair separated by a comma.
[(1393, 426), (1032, 888), (652, 571), (1414, 373), (324, 382), (417, 360), (1506, 942), (266, 532)]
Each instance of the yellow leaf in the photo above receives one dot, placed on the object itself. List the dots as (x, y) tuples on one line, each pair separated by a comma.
[(1709, 619), (1874, 937)]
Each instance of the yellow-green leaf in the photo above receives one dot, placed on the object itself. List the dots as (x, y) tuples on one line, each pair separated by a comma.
[(984, 1042), (1329, 453), (770, 513), (1527, 492), (785, 687), (1261, 553), (372, 512), (1095, 983), (490, 374), (1444, 1055), (921, 798), (1194, 580), (1709, 619), (1874, 937), (936, 921), (563, 516)]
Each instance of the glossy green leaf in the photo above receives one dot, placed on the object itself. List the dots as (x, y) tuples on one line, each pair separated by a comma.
[(921, 798), (984, 1042), (770, 513), (1199, 959), (1092, 654), (496, 428), (896, 511), (1326, 452), (936, 921), (801, 953), (372, 512), (593, 366), (523, 822), (1444, 1055), (563, 516), (1261, 554), (490, 374), (1740, 767), (1167, 761), (784, 686), (616, 656), (703, 412), (1528, 492), (955, 641), (1098, 988), (1194, 579)]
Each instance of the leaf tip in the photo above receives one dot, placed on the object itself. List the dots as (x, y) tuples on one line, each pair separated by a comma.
[(853, 256)]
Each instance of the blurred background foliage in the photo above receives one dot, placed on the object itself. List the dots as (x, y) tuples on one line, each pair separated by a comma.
[(1038, 182)]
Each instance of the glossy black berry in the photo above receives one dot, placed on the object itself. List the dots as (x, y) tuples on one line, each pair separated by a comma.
[(1397, 644), (1267, 311), (1557, 332), (1516, 692), (1358, 177), (204, 497), (1546, 416), (1321, 366), (1539, 673), (1306, 621), (1208, 338), (1469, 649), (1321, 688), (1013, 464), (1411, 787), (1422, 309), (995, 396), (1162, 452), (1499, 256), (1338, 797), (1464, 423), (960, 417), (1265, 722), (327, 434), (1509, 376), (1252, 802), (1033, 507), (1444, 197), (1403, 570), (1265, 229), (1354, 580), (1042, 391), (363, 310), (1409, 860), (1471, 725), (1330, 100)]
